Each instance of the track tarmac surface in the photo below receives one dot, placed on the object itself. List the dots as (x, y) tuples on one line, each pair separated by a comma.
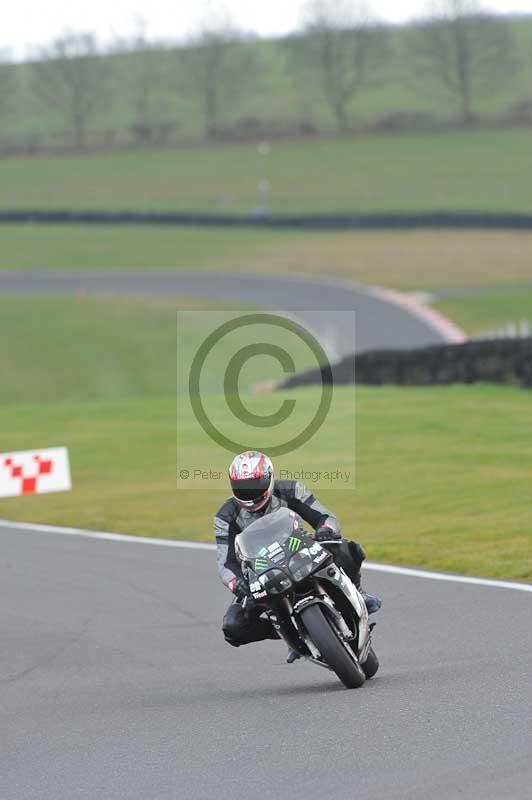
[(115, 683), (381, 321)]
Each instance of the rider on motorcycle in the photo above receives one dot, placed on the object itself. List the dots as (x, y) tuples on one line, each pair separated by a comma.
[(255, 493)]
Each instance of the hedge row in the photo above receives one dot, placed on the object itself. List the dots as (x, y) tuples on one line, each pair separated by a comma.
[(443, 219), (507, 361)]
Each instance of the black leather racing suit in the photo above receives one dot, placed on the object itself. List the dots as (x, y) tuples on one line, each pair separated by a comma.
[(241, 625)]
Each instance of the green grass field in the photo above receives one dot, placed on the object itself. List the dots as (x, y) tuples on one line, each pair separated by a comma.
[(406, 260), (443, 475), (462, 170), (481, 312), (60, 349)]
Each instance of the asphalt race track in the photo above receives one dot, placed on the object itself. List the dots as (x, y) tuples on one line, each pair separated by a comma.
[(115, 684), (380, 323)]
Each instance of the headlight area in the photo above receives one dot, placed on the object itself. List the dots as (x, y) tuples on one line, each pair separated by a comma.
[(275, 581), (300, 565)]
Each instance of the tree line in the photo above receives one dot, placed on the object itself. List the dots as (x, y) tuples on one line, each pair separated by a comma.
[(457, 50)]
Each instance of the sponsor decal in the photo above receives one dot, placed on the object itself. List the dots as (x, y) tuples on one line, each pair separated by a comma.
[(294, 543), (315, 548), (260, 563), (34, 472)]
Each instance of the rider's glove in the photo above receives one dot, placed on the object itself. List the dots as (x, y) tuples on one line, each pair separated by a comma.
[(326, 534), (239, 587)]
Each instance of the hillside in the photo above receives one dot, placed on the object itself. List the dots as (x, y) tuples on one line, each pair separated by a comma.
[(274, 103)]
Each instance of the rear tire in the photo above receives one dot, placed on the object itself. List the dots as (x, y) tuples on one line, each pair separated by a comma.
[(331, 648), (371, 664)]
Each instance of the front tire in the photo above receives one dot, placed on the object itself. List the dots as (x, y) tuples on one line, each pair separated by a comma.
[(331, 648)]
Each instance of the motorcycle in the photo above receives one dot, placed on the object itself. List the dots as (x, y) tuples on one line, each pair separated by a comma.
[(309, 599)]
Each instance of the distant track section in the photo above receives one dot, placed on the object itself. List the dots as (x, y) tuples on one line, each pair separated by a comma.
[(381, 321), (382, 221)]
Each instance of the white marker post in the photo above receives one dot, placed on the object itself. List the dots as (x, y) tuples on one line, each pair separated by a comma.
[(34, 472)]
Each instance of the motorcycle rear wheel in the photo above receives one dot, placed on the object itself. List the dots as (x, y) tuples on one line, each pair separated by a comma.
[(331, 648)]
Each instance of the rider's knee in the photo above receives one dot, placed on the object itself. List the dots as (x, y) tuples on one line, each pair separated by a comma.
[(234, 625)]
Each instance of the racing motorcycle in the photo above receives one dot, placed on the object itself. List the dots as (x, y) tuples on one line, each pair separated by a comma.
[(309, 599)]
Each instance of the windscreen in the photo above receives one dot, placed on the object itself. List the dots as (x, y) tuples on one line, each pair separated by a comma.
[(270, 528)]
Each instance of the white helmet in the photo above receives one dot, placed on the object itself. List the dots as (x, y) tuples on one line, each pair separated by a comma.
[(251, 476)]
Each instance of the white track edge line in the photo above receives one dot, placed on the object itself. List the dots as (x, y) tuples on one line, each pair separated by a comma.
[(34, 527), (186, 545), (447, 576)]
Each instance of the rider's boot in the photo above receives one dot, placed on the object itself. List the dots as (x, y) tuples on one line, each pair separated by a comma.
[(292, 656), (372, 603)]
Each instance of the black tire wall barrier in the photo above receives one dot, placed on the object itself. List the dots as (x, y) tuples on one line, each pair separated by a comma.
[(503, 361), (386, 221)]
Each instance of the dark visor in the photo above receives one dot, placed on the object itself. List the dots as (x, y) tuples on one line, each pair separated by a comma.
[(250, 488)]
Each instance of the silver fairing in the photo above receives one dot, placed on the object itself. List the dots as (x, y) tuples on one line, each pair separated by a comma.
[(335, 575)]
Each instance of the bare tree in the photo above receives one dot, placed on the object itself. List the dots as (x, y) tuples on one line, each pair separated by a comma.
[(143, 75), (218, 67), (342, 49), (7, 83), (466, 51), (71, 75)]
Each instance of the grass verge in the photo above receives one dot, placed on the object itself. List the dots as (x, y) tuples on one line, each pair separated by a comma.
[(477, 313), (56, 349), (443, 474), (68, 348)]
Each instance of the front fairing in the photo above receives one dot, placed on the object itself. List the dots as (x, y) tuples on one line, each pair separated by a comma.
[(277, 544), (267, 535)]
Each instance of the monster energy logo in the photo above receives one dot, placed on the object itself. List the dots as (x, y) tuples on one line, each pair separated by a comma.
[(260, 563), (294, 543)]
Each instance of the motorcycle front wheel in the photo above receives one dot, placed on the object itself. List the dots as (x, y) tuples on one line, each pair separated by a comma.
[(331, 648), (371, 664)]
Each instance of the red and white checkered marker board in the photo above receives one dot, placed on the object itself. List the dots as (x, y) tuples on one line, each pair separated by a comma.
[(34, 472)]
